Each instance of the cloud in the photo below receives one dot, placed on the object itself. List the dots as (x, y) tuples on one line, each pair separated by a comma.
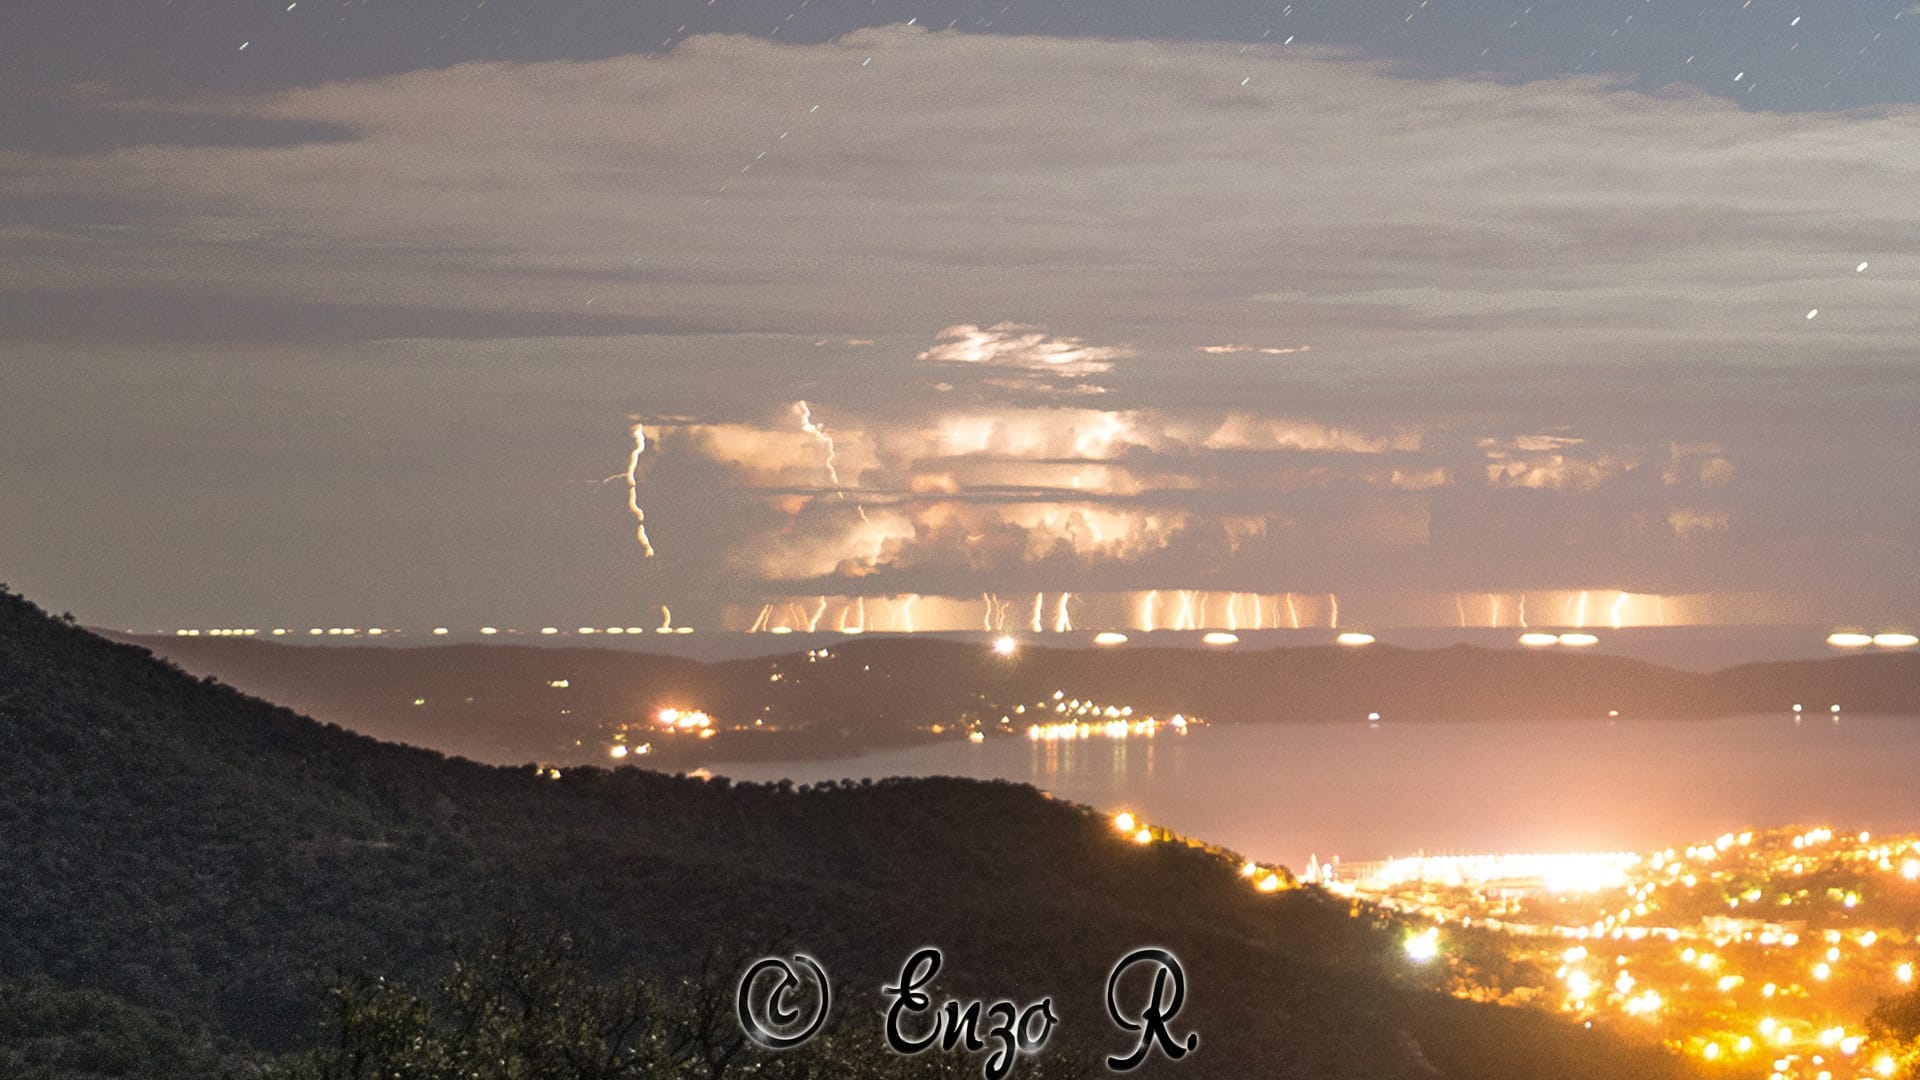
[(1553, 310), (1027, 347)]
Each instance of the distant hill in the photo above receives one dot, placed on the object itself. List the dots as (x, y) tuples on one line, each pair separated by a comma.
[(497, 702), (187, 848)]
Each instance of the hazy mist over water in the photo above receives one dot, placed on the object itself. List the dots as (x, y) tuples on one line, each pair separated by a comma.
[(1284, 791)]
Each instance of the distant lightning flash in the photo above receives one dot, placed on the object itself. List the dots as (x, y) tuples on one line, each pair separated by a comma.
[(1063, 622), (633, 489), (1039, 625), (666, 618), (1186, 620), (813, 623), (1146, 609), (1619, 606), (1460, 605), (1334, 620)]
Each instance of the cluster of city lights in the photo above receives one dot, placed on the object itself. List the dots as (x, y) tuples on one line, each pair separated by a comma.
[(1760, 952), (1072, 718)]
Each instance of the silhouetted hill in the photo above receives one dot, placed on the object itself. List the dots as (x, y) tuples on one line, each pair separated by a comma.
[(194, 850), (495, 702)]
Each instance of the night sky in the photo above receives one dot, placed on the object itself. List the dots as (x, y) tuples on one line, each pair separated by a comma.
[(325, 313)]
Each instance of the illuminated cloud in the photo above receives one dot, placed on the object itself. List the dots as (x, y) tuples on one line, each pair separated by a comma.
[(1017, 346)]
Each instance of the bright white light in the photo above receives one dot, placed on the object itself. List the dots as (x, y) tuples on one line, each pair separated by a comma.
[(1354, 639), (1110, 637), (1849, 640), (1221, 637), (1004, 645), (439, 631), (1424, 947), (1579, 641), (1896, 641), (1538, 641)]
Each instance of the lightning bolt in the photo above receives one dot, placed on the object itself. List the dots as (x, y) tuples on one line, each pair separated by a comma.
[(1619, 605), (819, 432), (666, 617), (1580, 611), (633, 489), (1493, 609), (1185, 620), (1038, 626), (1293, 612), (813, 624), (1062, 622), (759, 624), (1147, 603), (1233, 611), (1334, 620), (1460, 605), (906, 613), (1523, 611), (879, 544)]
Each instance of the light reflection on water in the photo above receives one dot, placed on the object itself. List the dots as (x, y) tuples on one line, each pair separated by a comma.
[(1282, 791)]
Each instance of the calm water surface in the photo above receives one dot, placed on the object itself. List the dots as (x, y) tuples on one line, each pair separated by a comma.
[(1280, 792)]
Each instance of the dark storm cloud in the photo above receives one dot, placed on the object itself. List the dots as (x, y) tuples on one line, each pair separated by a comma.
[(170, 316)]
